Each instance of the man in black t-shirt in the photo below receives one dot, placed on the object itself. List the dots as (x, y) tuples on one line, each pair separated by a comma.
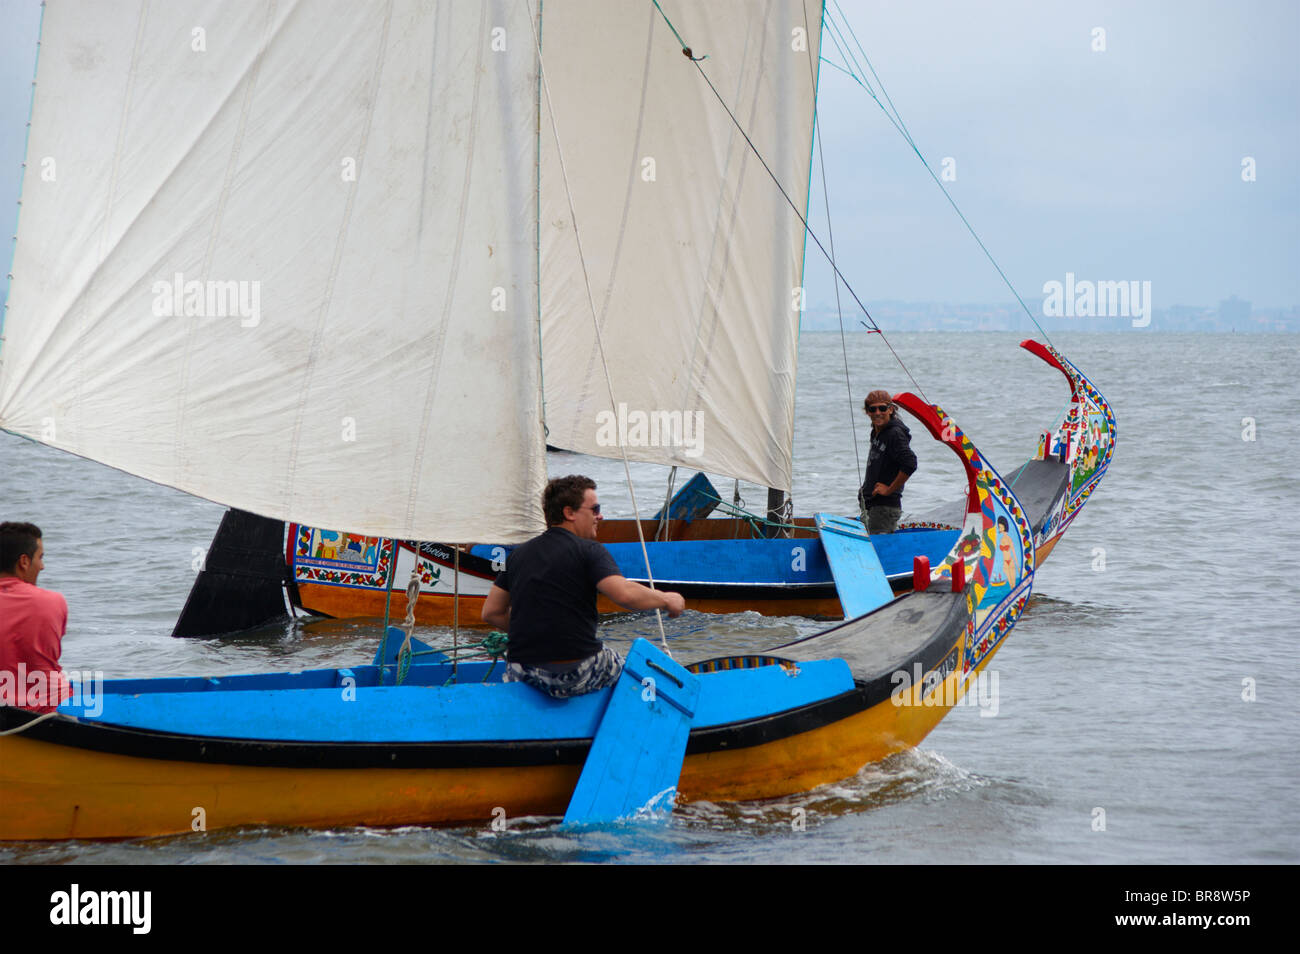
[(545, 598)]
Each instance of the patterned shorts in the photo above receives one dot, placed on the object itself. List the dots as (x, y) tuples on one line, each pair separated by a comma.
[(575, 679)]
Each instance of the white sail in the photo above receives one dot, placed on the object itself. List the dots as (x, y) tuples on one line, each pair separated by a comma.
[(283, 256), (695, 257)]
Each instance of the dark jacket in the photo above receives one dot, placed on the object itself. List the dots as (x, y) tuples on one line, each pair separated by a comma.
[(891, 452)]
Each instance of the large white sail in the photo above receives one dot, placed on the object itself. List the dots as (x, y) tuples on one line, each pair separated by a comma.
[(282, 255), (695, 257)]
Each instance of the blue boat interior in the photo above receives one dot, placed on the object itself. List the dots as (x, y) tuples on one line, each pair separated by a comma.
[(355, 705)]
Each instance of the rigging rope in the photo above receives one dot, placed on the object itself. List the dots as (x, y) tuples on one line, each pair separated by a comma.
[(808, 230), (408, 624), (388, 601), (897, 120), (748, 516), (27, 725), (595, 320), (830, 237), (493, 646), (662, 529)]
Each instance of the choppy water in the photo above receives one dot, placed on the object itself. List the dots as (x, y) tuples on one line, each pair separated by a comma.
[(1121, 689)]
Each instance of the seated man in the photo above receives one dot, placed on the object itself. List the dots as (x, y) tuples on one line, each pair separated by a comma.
[(545, 598), (32, 624)]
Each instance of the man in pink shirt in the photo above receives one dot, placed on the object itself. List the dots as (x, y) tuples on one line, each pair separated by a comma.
[(32, 624)]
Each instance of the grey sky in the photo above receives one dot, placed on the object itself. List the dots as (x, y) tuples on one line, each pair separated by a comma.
[(1117, 165)]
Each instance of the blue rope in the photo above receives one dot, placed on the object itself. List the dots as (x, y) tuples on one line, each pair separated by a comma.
[(897, 120)]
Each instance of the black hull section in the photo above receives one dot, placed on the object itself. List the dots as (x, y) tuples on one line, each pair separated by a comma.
[(517, 753), (242, 583)]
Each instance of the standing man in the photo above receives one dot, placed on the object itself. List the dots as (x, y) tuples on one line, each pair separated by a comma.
[(545, 598), (889, 465), (32, 623)]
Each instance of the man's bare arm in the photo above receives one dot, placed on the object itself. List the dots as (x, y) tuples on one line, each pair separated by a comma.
[(496, 608), (630, 595)]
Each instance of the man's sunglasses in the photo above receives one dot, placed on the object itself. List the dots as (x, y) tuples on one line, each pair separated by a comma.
[(594, 508), (877, 408)]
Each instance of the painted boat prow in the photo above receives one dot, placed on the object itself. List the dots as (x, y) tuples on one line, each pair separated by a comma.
[(1083, 443)]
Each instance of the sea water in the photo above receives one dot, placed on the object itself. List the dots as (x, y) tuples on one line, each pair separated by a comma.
[(1146, 704)]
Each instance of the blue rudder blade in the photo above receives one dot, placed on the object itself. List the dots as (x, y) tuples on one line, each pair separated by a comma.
[(636, 756), (860, 580)]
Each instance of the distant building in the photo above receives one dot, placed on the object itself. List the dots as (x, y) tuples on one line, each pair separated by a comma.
[(1234, 313)]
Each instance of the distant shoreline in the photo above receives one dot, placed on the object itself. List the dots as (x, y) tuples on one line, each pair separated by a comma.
[(1229, 317)]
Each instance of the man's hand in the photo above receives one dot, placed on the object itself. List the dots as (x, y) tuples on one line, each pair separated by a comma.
[(880, 490), (676, 603)]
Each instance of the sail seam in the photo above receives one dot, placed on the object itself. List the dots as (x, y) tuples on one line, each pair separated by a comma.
[(327, 296), (593, 357), (591, 304), (440, 331), (707, 319), (101, 253), (78, 300), (250, 85)]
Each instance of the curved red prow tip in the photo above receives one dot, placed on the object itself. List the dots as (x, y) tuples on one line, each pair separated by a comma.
[(1040, 350), (941, 430), (945, 432)]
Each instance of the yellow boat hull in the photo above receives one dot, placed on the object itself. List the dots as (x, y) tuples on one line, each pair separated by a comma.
[(56, 791)]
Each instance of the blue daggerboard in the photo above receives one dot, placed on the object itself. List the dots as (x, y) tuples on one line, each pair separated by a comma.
[(636, 756), (387, 653), (694, 501), (860, 580)]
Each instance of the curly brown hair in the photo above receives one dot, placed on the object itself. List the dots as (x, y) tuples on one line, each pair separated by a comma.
[(877, 396), (564, 492)]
